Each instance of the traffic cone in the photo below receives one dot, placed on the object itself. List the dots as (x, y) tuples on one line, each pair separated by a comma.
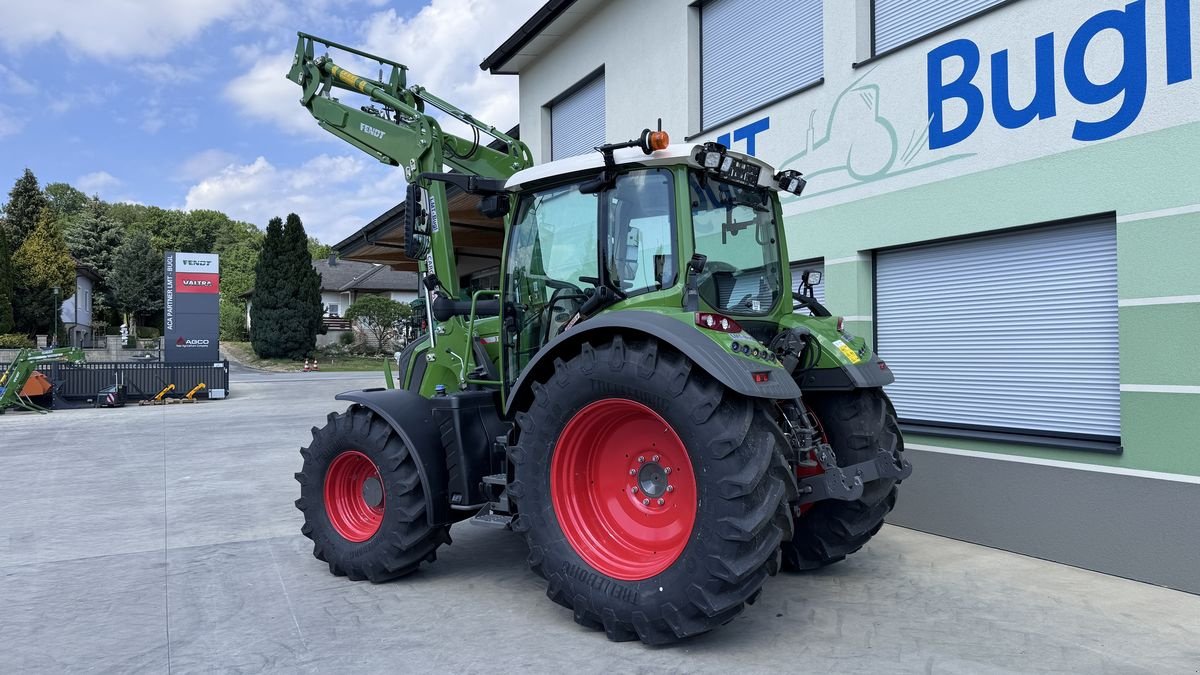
[(315, 366), (306, 365)]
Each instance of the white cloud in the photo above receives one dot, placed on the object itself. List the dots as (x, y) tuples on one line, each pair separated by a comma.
[(14, 83), (96, 182), (263, 94), (141, 28), (204, 164), (333, 195), (442, 45), (10, 122)]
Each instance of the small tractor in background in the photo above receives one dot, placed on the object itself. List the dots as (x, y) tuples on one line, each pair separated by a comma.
[(640, 399), (21, 383)]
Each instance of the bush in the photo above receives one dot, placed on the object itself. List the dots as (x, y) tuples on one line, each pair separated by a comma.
[(346, 339), (15, 341), (147, 332)]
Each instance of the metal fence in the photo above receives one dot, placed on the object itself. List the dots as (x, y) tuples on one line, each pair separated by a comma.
[(142, 380)]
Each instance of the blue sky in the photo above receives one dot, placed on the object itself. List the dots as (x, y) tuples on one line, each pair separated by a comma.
[(183, 103)]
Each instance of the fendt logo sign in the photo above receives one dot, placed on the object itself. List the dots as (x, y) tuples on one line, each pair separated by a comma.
[(192, 287)]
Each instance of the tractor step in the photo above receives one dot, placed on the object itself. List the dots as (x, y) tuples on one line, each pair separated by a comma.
[(488, 518), (496, 479)]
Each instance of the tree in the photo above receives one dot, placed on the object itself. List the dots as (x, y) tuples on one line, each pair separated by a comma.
[(286, 309), (6, 286), (93, 239), (136, 280), (25, 203), (268, 282), (317, 250), (383, 318), (66, 201), (40, 264)]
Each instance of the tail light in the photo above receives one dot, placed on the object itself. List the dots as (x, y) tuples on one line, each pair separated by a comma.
[(841, 323), (717, 322)]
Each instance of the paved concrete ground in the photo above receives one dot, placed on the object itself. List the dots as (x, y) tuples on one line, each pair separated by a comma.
[(164, 539)]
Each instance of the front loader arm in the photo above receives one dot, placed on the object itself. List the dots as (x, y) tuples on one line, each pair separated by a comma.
[(401, 133)]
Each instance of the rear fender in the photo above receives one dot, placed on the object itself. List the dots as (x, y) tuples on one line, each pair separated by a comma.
[(411, 416), (732, 371), (847, 361)]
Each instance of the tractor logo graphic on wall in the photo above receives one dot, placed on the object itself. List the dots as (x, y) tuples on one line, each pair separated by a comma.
[(859, 145)]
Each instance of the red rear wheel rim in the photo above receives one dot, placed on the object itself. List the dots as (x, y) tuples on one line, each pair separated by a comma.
[(352, 480), (623, 489)]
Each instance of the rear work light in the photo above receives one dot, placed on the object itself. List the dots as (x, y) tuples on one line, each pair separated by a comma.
[(717, 322)]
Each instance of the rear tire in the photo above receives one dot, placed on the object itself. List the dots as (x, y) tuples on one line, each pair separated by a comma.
[(857, 424), (607, 412), (357, 457)]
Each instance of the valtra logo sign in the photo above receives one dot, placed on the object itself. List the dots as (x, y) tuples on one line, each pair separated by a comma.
[(192, 282)]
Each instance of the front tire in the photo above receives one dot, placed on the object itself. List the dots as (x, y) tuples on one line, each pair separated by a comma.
[(363, 501), (857, 424), (591, 464)]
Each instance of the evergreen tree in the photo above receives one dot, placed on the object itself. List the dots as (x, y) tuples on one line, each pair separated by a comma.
[(286, 310), (136, 281), (306, 283), (25, 204), (41, 263), (93, 239), (264, 307), (6, 286)]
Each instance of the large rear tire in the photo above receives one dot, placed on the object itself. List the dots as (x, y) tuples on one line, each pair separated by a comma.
[(363, 501), (857, 424), (651, 497)]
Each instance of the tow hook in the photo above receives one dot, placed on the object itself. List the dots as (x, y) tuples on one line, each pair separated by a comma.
[(846, 482)]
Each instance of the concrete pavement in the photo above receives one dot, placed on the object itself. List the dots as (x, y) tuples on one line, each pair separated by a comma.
[(161, 539)]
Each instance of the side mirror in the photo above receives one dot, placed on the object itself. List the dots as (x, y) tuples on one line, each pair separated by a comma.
[(494, 206), (416, 237), (627, 257)]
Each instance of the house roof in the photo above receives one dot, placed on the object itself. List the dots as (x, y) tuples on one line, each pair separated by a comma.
[(535, 34), (345, 275)]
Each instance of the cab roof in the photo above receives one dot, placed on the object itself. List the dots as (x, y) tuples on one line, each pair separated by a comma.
[(676, 153)]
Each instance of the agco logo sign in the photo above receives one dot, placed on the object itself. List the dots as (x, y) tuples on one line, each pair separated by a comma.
[(185, 342)]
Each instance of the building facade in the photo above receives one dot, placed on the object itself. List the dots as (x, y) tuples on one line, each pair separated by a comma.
[(1001, 195)]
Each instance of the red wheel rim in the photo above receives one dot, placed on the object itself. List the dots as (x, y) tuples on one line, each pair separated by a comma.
[(354, 496), (623, 489)]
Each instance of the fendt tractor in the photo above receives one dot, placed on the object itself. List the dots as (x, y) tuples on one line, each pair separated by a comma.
[(641, 399)]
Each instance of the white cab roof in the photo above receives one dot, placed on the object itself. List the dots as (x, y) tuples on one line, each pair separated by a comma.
[(676, 153)]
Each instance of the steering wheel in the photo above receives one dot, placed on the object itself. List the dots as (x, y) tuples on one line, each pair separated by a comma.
[(563, 290)]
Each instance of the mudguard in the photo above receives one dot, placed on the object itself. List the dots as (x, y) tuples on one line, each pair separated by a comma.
[(412, 418), (732, 371)]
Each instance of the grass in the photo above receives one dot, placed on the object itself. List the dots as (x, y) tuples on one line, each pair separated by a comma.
[(242, 353)]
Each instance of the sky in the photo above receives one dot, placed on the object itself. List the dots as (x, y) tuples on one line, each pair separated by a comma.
[(183, 103)]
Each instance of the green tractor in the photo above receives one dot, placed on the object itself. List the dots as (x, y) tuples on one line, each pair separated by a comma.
[(640, 399)]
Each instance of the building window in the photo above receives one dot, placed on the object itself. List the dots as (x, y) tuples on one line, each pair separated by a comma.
[(333, 310), (577, 119), (897, 22), (798, 268), (1013, 332), (753, 52)]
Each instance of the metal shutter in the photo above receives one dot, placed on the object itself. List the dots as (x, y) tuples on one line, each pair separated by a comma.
[(577, 121), (754, 51), (1013, 331), (818, 290), (901, 21)]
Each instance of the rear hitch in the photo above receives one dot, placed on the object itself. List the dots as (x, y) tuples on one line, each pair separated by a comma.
[(846, 483)]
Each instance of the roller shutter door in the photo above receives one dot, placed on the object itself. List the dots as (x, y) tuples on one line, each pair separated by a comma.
[(1013, 332), (755, 51), (900, 21), (577, 121)]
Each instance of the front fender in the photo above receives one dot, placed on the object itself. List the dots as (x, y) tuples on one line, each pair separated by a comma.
[(735, 372), (411, 416)]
